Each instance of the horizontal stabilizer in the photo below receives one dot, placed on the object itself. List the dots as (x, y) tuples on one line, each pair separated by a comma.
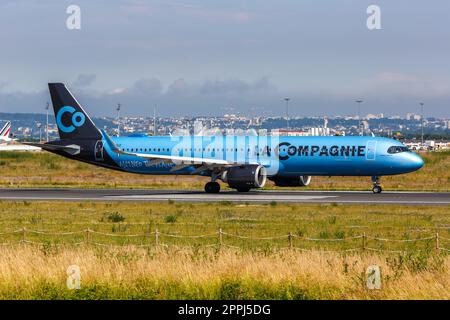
[(72, 149)]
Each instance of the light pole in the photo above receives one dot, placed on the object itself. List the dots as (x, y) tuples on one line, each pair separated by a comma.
[(421, 118), (118, 119), (46, 126), (154, 120), (39, 125), (359, 116), (287, 112)]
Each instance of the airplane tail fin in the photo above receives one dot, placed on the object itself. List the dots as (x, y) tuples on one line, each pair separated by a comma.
[(4, 133), (72, 121)]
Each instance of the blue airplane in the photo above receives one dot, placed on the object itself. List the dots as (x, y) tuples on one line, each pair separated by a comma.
[(243, 162)]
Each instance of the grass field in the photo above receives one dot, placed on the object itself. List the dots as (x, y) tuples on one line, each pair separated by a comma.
[(113, 265), (41, 169)]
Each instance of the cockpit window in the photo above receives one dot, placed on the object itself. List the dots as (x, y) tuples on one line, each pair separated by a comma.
[(397, 149)]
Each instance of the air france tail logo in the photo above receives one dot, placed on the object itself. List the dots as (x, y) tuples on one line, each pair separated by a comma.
[(78, 119)]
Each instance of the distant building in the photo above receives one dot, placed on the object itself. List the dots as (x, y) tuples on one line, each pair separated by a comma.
[(447, 124), (365, 125), (428, 145), (413, 116), (288, 132), (371, 116)]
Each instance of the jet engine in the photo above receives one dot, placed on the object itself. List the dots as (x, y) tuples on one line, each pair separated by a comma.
[(244, 178), (301, 181)]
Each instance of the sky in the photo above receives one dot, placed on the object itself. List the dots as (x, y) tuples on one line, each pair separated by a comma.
[(193, 58)]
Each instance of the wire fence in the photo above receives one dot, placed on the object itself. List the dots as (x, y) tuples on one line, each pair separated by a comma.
[(221, 238)]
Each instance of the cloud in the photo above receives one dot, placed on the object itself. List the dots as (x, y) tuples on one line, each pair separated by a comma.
[(393, 77), (24, 102), (85, 80), (178, 87), (211, 15), (402, 84), (147, 86), (138, 8), (215, 97), (3, 84), (117, 91), (235, 86), (183, 98)]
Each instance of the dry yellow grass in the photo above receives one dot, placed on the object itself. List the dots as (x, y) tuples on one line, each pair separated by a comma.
[(29, 272)]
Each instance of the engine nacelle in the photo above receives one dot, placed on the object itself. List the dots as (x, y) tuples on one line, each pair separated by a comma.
[(301, 181), (245, 177)]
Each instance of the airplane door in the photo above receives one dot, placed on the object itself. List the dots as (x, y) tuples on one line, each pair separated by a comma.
[(98, 152), (371, 149)]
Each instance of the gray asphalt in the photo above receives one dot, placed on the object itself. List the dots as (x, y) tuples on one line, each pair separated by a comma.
[(358, 197)]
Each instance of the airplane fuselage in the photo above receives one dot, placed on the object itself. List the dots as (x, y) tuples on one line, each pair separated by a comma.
[(287, 156)]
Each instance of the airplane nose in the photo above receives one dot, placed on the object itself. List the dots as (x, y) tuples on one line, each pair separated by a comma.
[(410, 162), (416, 162)]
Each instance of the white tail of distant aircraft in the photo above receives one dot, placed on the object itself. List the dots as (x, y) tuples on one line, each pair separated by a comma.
[(7, 141), (5, 133)]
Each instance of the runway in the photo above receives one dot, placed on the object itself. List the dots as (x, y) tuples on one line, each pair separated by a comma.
[(259, 196)]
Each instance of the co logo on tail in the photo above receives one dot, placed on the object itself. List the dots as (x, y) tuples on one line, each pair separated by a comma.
[(78, 119)]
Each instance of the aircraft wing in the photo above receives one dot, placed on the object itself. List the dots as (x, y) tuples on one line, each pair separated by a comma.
[(180, 161)]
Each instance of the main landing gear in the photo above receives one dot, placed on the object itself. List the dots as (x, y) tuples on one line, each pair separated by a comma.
[(376, 185), (212, 187)]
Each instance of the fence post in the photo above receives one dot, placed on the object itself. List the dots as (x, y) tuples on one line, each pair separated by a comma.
[(88, 236), (156, 237), (364, 241), (437, 242), (24, 230), (220, 237), (290, 240)]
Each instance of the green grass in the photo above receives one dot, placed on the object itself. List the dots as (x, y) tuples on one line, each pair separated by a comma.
[(175, 220), (42, 169)]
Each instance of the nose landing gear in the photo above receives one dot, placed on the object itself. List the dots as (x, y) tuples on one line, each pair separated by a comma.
[(376, 185)]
